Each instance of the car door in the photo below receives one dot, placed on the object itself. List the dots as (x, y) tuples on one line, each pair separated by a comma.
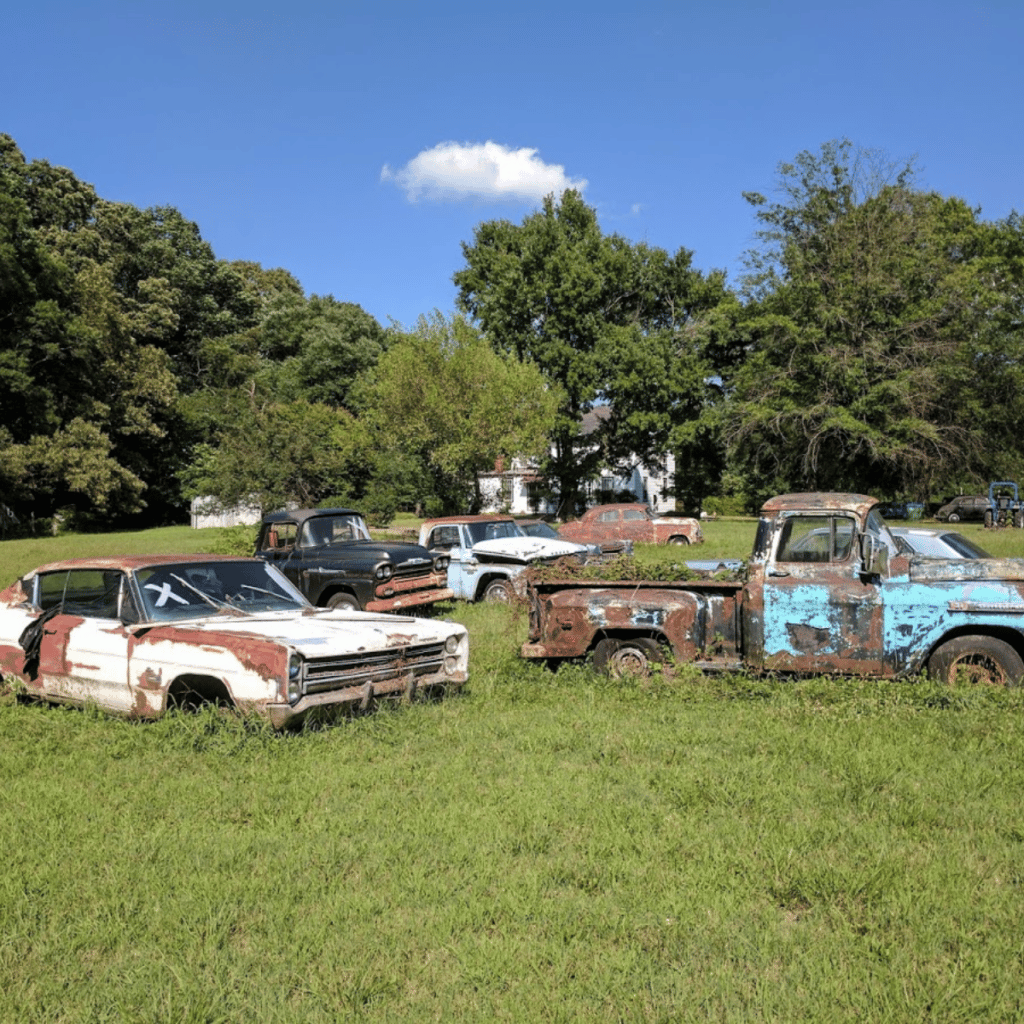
[(462, 566), (83, 653), (637, 526), (821, 614), (607, 525)]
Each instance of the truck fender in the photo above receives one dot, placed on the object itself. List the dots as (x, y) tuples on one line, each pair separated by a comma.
[(976, 658)]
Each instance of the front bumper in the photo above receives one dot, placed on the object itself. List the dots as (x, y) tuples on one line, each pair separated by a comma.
[(283, 716), (409, 600)]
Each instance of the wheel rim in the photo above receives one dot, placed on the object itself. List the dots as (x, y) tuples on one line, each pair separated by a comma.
[(978, 670), (497, 592), (629, 661)]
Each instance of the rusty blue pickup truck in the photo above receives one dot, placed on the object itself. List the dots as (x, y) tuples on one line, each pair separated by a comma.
[(827, 589)]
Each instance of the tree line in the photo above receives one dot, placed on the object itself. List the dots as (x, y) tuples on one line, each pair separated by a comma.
[(873, 344)]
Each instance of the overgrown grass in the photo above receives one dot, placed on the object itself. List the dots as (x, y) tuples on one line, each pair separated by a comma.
[(545, 847)]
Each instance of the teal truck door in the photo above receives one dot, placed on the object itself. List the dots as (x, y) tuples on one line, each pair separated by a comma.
[(821, 614)]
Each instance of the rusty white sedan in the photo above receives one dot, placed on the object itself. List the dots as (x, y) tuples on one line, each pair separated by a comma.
[(134, 635)]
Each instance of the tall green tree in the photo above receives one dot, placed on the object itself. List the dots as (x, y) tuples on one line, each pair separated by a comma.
[(875, 311), (558, 293), (277, 454), (444, 397)]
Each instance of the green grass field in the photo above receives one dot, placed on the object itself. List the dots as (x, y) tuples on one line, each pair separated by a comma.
[(543, 847)]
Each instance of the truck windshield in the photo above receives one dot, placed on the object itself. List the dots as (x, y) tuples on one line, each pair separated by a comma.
[(493, 531), (322, 530)]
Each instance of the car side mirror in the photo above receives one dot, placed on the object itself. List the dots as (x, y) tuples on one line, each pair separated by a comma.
[(874, 556)]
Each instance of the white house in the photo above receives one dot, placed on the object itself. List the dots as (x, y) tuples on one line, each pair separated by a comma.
[(519, 488), (240, 515)]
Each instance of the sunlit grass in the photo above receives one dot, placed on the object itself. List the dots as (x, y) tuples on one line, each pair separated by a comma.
[(544, 847)]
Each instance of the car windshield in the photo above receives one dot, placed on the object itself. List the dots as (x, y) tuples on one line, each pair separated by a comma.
[(540, 530), (321, 530), (493, 531), (944, 545), (188, 590)]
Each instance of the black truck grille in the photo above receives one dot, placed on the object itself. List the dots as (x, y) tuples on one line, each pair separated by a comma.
[(371, 667)]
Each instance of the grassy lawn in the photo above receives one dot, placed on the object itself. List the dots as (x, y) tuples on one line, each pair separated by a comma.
[(544, 847)]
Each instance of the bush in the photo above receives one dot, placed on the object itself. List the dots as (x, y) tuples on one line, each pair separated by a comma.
[(726, 505)]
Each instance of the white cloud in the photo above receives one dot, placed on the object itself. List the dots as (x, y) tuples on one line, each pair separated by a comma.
[(453, 170)]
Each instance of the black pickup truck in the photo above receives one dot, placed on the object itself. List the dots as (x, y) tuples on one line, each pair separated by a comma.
[(329, 555)]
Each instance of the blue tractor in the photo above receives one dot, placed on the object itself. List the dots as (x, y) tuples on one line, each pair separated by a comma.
[(1004, 505)]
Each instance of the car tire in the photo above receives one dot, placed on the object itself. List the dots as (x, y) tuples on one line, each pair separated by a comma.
[(343, 602), (983, 660), (953, 517), (498, 591), (627, 659), (1018, 519), (679, 540), (988, 519)]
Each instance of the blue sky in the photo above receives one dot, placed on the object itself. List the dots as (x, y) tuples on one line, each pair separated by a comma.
[(358, 144)]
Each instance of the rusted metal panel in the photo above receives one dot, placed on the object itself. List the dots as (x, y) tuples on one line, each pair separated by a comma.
[(699, 622)]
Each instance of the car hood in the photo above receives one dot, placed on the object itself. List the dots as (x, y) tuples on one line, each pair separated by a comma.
[(527, 549), (315, 635)]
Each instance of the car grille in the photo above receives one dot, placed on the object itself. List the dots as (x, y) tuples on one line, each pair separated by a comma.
[(412, 570), (373, 666)]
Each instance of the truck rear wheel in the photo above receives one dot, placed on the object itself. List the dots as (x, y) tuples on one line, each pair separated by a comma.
[(982, 660), (623, 659), (679, 540)]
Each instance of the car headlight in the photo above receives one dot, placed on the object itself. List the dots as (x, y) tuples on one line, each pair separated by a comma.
[(441, 563), (451, 645), (294, 678), (385, 571)]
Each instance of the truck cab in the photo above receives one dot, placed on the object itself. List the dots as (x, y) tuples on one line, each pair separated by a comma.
[(329, 555)]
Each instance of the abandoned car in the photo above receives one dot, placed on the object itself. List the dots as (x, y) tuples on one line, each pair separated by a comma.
[(136, 634), (633, 522), (963, 507), (329, 555), (488, 554)]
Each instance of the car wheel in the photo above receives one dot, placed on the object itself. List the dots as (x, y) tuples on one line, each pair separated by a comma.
[(343, 603), (988, 519), (679, 540), (954, 518), (623, 659), (1018, 519), (983, 660), (498, 590)]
